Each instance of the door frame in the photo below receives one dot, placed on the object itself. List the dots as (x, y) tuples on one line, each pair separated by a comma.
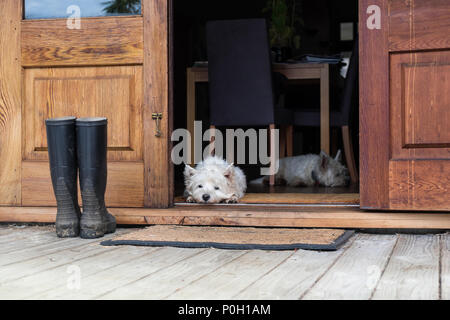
[(373, 109), (158, 98)]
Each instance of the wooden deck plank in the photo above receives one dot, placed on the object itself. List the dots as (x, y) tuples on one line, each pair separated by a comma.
[(161, 284), (19, 234), (43, 245), (445, 266), (47, 283), (413, 270), (234, 276), (25, 239), (356, 272), (122, 274), (51, 261), (293, 277), (6, 229)]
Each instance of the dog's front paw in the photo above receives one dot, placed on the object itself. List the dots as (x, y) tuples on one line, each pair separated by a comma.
[(233, 199), (190, 199)]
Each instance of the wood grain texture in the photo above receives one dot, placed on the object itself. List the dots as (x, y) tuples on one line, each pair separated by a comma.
[(374, 108), (10, 102), (420, 102), (419, 185), (114, 92), (99, 41), (160, 285), (47, 282), (302, 217), (352, 276), (292, 278), (418, 25), (125, 186), (104, 280), (234, 276), (158, 165), (413, 270)]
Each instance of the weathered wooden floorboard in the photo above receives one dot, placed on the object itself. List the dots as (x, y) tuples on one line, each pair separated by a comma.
[(445, 266), (122, 274), (413, 270), (62, 279), (356, 272), (161, 284), (43, 245), (293, 277), (16, 271), (234, 276), (26, 240)]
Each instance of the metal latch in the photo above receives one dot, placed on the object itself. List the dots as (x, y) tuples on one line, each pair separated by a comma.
[(157, 117)]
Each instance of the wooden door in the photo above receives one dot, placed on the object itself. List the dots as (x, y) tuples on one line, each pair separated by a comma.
[(405, 104), (114, 67)]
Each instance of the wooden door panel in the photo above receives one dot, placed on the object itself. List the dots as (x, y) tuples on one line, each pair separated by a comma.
[(420, 105), (112, 92), (99, 41), (125, 187)]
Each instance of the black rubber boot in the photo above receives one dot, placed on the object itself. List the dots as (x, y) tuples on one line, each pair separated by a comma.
[(61, 141), (91, 151)]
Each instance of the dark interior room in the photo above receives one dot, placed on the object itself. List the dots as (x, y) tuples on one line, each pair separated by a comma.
[(319, 27)]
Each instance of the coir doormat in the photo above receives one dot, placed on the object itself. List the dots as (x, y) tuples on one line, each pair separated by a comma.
[(241, 238)]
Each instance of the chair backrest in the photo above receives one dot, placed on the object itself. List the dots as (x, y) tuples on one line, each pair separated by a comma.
[(349, 101), (240, 73)]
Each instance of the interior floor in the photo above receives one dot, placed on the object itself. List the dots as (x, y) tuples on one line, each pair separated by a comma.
[(290, 195)]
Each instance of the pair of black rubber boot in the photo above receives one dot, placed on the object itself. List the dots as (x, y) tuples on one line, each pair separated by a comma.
[(79, 144)]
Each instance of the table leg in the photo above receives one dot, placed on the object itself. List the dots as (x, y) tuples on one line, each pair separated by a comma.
[(325, 109), (190, 110)]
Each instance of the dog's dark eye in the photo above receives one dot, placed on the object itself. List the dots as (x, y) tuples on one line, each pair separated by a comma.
[(217, 188), (200, 186)]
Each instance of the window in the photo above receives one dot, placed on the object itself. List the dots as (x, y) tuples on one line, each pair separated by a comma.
[(48, 9)]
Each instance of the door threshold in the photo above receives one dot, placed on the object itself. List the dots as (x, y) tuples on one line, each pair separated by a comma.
[(298, 217)]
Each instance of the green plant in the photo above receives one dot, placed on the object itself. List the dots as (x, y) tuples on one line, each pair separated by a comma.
[(122, 6), (284, 22)]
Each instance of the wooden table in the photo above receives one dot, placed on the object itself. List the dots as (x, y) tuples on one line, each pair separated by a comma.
[(298, 71)]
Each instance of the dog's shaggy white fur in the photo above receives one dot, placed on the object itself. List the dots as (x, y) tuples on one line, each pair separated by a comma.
[(310, 170), (213, 181)]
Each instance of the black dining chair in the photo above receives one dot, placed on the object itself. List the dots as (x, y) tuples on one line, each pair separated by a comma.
[(241, 83), (340, 118)]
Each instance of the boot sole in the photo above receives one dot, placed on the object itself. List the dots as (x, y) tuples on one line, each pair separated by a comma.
[(67, 228)]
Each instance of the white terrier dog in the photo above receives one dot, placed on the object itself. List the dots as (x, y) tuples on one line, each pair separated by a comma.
[(309, 170), (213, 181)]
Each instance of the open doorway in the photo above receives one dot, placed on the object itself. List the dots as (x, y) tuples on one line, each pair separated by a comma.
[(322, 28)]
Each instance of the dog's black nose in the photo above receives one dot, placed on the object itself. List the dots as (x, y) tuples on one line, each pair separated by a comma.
[(206, 197)]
